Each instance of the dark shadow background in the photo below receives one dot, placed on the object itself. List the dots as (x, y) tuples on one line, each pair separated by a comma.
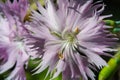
[(112, 7)]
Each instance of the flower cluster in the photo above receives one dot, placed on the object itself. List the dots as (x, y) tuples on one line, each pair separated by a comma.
[(69, 37), (16, 44)]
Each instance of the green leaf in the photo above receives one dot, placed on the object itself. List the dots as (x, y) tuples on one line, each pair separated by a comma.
[(108, 71)]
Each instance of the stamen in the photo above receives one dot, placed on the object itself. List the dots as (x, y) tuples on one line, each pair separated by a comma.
[(60, 55), (76, 31)]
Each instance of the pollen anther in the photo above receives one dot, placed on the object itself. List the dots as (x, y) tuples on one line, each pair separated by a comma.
[(76, 31), (60, 55)]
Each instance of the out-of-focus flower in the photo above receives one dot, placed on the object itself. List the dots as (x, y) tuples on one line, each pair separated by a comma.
[(75, 37), (16, 44), (17, 8)]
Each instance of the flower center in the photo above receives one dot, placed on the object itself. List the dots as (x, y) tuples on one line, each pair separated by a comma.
[(67, 36)]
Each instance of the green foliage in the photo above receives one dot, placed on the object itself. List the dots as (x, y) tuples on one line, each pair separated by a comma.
[(113, 65), (41, 76)]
